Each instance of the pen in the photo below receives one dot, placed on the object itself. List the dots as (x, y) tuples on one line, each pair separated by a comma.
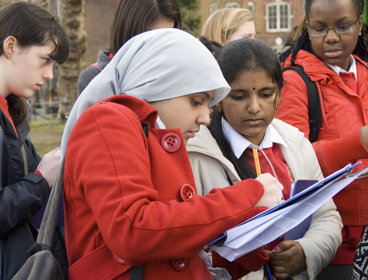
[(268, 271), (256, 161), (258, 171)]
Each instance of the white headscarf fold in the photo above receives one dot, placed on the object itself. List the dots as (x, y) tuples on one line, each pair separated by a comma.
[(155, 65)]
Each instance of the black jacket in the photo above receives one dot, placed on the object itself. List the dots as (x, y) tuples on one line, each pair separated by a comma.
[(21, 195)]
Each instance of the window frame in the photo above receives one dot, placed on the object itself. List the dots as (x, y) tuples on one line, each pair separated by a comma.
[(252, 7), (278, 16), (232, 4)]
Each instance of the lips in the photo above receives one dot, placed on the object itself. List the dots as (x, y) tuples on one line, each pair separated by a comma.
[(333, 53), (254, 121), (191, 134)]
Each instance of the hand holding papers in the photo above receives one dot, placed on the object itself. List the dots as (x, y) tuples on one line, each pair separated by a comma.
[(276, 221)]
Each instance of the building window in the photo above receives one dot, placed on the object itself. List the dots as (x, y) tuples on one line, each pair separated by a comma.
[(278, 17), (251, 7), (232, 5), (213, 8)]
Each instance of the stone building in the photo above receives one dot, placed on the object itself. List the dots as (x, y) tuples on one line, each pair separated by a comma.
[(274, 19)]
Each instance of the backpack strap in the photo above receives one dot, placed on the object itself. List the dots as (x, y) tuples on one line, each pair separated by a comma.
[(314, 104), (96, 66), (361, 62)]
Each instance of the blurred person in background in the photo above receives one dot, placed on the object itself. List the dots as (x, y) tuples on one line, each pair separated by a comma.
[(131, 18)]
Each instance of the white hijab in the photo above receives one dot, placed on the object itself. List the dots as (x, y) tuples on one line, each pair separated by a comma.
[(155, 65)]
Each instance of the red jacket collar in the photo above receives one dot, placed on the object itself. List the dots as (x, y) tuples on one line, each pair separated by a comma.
[(145, 112)]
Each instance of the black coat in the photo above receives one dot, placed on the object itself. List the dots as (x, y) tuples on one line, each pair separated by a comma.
[(21, 195)]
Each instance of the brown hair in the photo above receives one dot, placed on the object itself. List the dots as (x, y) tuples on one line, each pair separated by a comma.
[(136, 16)]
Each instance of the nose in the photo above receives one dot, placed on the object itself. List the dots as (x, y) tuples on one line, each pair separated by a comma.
[(331, 35), (253, 105), (48, 74), (204, 116)]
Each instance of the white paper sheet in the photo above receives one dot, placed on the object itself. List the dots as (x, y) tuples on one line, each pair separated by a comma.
[(263, 229)]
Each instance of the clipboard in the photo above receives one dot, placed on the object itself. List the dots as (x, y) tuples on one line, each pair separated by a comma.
[(329, 179)]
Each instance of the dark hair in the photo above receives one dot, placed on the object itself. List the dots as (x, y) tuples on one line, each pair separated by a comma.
[(213, 46), (235, 58), (136, 16), (31, 25), (303, 42)]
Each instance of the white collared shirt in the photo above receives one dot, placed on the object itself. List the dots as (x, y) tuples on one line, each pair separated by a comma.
[(159, 123), (239, 143), (338, 69)]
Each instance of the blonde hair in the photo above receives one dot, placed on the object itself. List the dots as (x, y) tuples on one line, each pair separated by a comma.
[(222, 24)]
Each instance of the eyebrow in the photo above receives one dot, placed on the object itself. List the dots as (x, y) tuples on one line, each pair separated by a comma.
[(246, 90), (206, 94), (337, 21), (239, 90)]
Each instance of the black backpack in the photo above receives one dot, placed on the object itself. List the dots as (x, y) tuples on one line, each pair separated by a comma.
[(314, 104)]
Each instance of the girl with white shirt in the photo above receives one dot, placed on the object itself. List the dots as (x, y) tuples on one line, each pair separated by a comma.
[(243, 140)]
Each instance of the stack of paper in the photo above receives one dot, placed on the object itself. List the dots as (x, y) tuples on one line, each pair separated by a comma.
[(283, 218)]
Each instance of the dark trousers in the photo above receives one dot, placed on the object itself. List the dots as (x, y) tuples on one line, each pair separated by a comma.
[(336, 272)]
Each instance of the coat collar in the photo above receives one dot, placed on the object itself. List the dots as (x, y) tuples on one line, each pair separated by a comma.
[(145, 112)]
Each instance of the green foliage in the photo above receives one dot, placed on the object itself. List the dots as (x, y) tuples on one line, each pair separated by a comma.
[(191, 16)]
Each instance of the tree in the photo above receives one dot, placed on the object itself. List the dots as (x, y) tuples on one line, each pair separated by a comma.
[(191, 16), (4, 3), (72, 19)]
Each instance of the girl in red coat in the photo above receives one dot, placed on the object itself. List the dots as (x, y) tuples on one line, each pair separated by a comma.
[(130, 203), (331, 50)]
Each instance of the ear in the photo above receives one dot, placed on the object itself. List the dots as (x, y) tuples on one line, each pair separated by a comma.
[(360, 22), (9, 46), (277, 100)]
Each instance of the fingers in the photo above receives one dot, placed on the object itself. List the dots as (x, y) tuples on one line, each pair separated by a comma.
[(287, 259), (272, 191), (49, 165)]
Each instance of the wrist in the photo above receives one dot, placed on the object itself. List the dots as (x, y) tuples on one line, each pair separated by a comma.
[(38, 172)]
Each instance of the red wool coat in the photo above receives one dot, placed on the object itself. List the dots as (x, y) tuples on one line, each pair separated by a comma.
[(127, 200), (344, 112)]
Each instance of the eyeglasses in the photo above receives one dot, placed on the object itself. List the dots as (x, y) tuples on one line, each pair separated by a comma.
[(339, 29)]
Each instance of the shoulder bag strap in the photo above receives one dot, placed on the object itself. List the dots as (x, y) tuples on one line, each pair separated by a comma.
[(314, 104), (48, 224)]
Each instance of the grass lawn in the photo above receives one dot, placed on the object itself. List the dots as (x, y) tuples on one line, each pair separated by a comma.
[(46, 135)]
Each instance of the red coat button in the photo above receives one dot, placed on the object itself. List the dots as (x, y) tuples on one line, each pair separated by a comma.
[(186, 192), (171, 142), (179, 264)]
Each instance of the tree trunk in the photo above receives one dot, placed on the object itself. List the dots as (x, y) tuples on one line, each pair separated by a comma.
[(4, 3), (72, 19)]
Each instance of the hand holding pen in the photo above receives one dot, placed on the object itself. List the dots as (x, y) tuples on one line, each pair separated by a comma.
[(272, 191), (272, 188)]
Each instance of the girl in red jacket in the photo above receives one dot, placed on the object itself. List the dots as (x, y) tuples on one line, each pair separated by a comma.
[(331, 50), (130, 203)]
